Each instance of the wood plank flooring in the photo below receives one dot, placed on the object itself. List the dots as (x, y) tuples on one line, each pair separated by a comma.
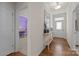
[(58, 47), (16, 54)]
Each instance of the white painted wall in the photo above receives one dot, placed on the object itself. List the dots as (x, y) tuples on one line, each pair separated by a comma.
[(77, 17), (6, 28), (35, 29), (70, 25)]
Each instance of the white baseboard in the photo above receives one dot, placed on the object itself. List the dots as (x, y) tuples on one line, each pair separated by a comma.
[(41, 51), (77, 51)]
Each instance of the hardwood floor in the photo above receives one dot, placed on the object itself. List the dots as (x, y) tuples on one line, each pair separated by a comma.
[(16, 54), (58, 47)]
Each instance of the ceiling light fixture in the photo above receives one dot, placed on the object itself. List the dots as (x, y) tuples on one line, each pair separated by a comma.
[(58, 6)]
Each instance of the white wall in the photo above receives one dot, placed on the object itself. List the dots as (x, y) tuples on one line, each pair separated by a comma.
[(6, 28), (70, 25), (35, 29), (77, 18)]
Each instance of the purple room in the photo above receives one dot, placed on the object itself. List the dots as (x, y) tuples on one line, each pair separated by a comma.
[(22, 26)]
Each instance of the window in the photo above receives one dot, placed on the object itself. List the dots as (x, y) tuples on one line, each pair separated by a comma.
[(47, 23), (59, 19), (59, 25)]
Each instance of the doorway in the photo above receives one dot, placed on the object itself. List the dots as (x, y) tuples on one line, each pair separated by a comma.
[(22, 33), (60, 25)]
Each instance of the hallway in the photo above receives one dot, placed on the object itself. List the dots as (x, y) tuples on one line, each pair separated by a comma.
[(58, 47), (27, 28)]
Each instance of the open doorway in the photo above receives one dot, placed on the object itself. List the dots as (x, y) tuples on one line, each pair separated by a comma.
[(22, 26), (22, 34), (60, 25)]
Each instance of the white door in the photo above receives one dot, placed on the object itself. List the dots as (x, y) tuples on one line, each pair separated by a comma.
[(6, 29), (59, 26)]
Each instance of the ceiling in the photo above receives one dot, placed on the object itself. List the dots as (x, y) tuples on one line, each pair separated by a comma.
[(52, 5)]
